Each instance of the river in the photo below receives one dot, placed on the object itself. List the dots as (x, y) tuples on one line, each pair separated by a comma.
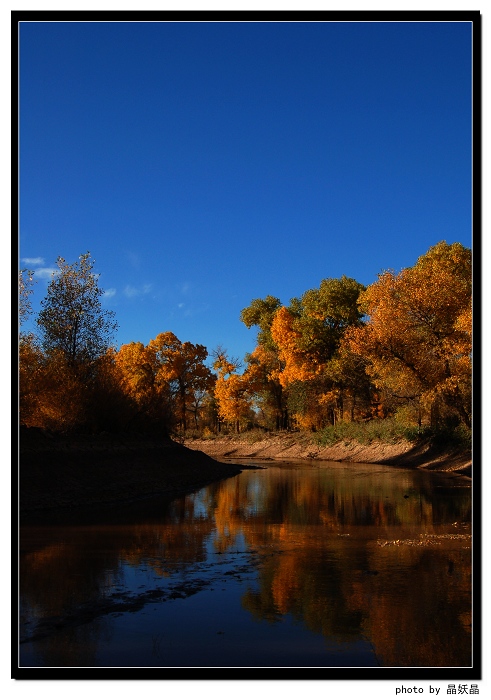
[(308, 564)]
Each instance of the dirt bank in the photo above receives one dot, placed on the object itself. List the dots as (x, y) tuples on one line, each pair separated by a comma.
[(292, 446), (59, 473)]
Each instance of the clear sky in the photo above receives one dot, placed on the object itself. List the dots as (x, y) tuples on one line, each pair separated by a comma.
[(205, 164)]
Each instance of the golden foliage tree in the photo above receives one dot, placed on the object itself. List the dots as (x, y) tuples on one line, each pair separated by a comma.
[(264, 364), (263, 373), (181, 367), (233, 392), (418, 338), (308, 335)]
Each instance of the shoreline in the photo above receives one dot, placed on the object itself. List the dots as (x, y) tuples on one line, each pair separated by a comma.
[(59, 475), (299, 447)]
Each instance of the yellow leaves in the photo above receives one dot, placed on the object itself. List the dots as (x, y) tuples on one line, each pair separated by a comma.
[(51, 394), (296, 362), (223, 365), (419, 327), (134, 362), (233, 398), (329, 398)]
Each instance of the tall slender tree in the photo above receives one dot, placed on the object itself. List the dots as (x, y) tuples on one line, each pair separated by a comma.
[(72, 320)]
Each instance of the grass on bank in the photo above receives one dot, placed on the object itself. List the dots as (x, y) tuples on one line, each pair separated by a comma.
[(387, 430), (390, 431)]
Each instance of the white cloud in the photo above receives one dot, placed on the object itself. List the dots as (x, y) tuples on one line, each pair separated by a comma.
[(131, 292), (45, 273), (108, 293), (33, 261)]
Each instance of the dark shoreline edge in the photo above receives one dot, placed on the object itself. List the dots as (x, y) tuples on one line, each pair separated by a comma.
[(64, 477), (60, 475)]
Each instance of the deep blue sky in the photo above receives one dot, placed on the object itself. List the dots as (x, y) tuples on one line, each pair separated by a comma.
[(204, 165)]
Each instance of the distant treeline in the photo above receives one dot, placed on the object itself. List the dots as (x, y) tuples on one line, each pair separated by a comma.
[(342, 352)]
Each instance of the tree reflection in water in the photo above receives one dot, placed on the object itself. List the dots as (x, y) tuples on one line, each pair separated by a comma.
[(348, 552)]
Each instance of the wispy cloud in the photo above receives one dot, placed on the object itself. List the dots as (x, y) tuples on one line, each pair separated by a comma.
[(131, 292), (40, 273), (45, 273), (109, 293), (187, 311), (33, 261)]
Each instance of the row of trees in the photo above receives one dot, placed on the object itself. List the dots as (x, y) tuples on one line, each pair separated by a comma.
[(72, 377), (346, 352), (341, 352)]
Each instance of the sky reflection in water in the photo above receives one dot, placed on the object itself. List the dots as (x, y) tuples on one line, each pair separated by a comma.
[(307, 564)]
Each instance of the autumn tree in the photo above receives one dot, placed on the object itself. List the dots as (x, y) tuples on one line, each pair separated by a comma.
[(181, 367), (72, 319), (309, 331), (308, 334), (262, 374), (261, 313), (233, 392), (58, 373), (49, 393), (134, 368), (264, 363), (418, 339), (135, 364)]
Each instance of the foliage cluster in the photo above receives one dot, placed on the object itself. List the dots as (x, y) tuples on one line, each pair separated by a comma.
[(387, 361), (391, 430)]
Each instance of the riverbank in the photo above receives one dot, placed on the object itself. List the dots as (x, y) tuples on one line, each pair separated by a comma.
[(293, 446), (59, 474)]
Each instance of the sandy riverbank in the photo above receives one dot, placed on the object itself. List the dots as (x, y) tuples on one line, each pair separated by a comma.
[(62, 473), (293, 446)]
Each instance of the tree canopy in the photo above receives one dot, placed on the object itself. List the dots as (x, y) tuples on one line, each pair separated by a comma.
[(417, 341), (72, 319), (338, 352)]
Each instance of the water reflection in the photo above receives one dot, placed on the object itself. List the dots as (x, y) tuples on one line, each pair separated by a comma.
[(338, 564)]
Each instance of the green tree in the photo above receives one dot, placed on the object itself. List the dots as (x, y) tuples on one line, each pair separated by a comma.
[(307, 335), (261, 312), (72, 319), (323, 314)]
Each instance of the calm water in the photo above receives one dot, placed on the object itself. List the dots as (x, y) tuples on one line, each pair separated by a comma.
[(299, 564)]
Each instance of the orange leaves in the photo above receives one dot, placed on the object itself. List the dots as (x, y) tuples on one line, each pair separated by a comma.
[(287, 338), (418, 337), (52, 395), (308, 334), (233, 398), (134, 362), (223, 365), (181, 367)]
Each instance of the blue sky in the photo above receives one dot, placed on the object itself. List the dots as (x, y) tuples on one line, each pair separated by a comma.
[(204, 164)]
